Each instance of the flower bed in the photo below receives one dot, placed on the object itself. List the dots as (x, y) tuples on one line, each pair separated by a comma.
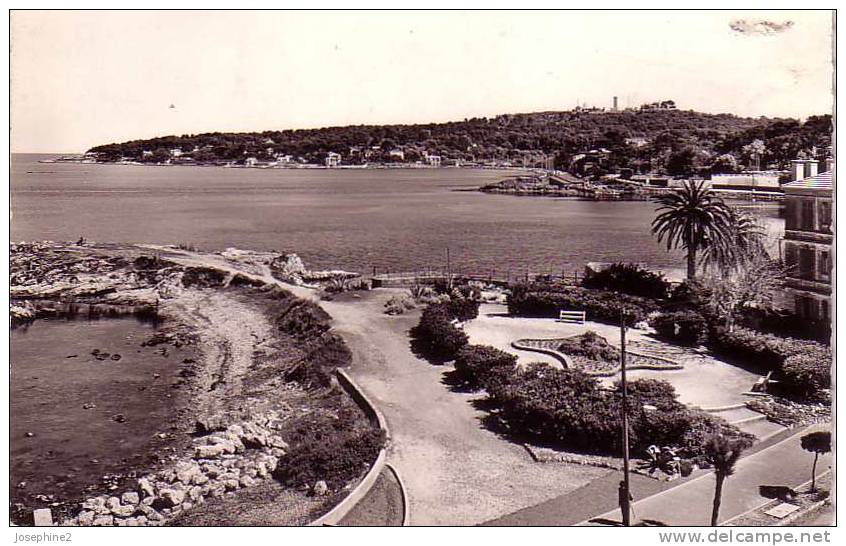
[(593, 366), (788, 413)]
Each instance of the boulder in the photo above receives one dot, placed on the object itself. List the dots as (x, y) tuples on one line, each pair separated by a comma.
[(210, 423), (146, 487), (320, 489), (172, 497), (247, 481), (123, 511), (195, 493), (86, 518), (231, 484), (96, 505), (103, 521), (210, 451), (212, 470), (275, 441), (112, 503), (186, 471), (131, 498)]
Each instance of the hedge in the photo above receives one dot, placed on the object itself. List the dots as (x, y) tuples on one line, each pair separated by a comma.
[(629, 279), (481, 365), (684, 327), (767, 349), (807, 375), (546, 300), (436, 333), (335, 448), (804, 366), (571, 409)]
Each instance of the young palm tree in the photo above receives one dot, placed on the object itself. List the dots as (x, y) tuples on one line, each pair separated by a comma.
[(744, 238), (722, 453), (692, 218)]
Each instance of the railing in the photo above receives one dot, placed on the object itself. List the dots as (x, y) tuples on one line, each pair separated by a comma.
[(500, 278)]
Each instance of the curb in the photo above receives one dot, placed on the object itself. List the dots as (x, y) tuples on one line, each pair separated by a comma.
[(336, 514), (406, 509)]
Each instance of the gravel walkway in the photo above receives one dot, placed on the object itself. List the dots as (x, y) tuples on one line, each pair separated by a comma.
[(456, 471)]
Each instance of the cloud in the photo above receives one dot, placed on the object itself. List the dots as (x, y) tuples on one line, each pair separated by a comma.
[(759, 27)]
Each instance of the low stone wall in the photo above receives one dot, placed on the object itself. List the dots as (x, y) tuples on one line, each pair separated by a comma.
[(334, 516)]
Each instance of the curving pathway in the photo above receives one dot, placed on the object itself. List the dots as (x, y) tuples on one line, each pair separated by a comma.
[(455, 470)]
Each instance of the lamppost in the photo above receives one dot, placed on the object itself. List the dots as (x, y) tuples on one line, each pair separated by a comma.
[(625, 494)]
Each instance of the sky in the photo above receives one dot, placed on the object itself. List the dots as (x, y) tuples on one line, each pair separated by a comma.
[(93, 77)]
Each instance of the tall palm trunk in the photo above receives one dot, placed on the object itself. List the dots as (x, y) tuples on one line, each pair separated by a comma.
[(814, 472), (690, 244), (718, 497), (691, 264)]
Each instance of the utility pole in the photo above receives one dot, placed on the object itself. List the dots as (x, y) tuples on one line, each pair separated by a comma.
[(449, 271), (626, 497)]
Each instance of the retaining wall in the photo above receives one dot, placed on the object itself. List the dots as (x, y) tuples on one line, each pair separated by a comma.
[(334, 516)]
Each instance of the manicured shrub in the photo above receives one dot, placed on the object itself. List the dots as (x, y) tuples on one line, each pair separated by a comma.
[(323, 446), (437, 334), (399, 304), (628, 279), (570, 409), (547, 299), (807, 375), (463, 308), (786, 324), (480, 365), (766, 350), (684, 327)]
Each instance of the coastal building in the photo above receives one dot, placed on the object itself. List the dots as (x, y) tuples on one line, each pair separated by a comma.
[(652, 180), (433, 160), (396, 153), (808, 239), (146, 153), (747, 181), (176, 152), (333, 159), (251, 162), (662, 105)]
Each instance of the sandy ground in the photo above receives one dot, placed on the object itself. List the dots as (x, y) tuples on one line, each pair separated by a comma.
[(456, 471), (705, 381), (232, 335)]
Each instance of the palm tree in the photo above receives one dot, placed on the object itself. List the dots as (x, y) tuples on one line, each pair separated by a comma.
[(744, 238), (816, 442), (692, 218), (722, 452)]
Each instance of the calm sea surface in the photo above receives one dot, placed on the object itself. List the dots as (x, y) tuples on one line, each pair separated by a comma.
[(357, 220)]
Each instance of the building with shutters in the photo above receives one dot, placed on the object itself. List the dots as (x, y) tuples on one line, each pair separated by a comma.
[(808, 239)]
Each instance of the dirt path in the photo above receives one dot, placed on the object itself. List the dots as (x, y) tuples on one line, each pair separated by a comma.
[(231, 333), (456, 471)]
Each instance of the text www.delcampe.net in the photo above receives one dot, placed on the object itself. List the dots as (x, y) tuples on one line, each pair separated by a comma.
[(752, 537)]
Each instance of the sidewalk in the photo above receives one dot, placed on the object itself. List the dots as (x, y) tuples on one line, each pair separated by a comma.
[(784, 463)]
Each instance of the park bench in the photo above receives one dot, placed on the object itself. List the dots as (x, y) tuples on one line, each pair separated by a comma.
[(574, 317)]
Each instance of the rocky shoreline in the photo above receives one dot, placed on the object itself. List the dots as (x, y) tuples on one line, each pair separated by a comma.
[(248, 387)]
